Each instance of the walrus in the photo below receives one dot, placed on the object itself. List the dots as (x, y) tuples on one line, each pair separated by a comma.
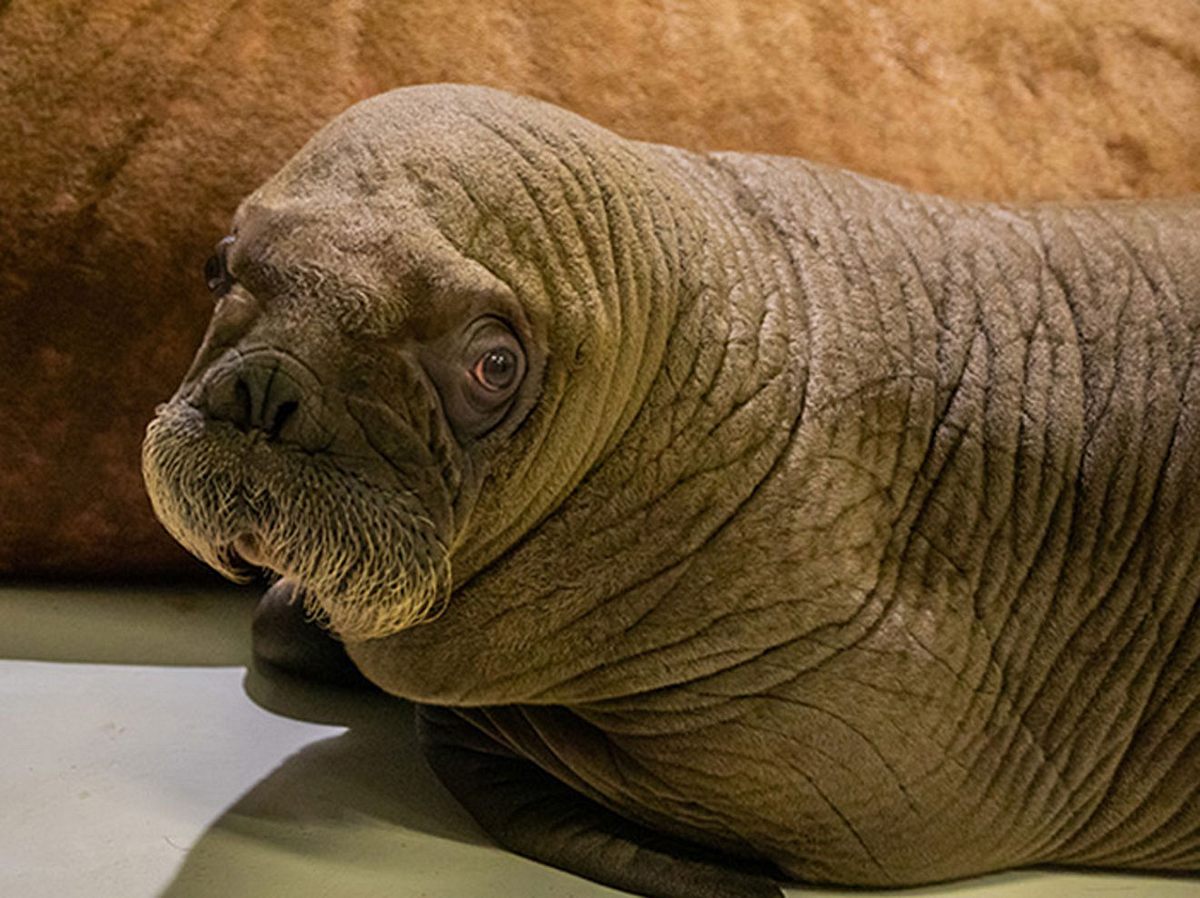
[(732, 519)]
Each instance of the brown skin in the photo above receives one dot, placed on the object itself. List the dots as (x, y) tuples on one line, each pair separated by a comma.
[(827, 525), (136, 127)]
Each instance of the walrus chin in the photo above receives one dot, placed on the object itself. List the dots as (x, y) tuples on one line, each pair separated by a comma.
[(368, 562)]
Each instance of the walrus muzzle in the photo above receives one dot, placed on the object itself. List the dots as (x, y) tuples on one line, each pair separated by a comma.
[(368, 558)]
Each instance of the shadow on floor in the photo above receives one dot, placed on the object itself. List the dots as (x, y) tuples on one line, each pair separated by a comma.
[(355, 814)]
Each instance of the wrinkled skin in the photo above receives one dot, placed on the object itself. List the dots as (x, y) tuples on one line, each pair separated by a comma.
[(833, 528)]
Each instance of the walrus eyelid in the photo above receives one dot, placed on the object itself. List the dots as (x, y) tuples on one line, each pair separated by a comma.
[(489, 323)]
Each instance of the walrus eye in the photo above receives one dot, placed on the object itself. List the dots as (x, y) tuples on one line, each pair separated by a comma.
[(496, 369), (495, 363), (477, 371), (216, 270)]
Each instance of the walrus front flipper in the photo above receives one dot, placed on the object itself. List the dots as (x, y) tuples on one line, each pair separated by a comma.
[(286, 638), (529, 812)]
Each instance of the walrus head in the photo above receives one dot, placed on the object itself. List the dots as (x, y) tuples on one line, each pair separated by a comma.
[(380, 406)]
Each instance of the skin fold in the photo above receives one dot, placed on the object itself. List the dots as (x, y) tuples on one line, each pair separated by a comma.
[(832, 532)]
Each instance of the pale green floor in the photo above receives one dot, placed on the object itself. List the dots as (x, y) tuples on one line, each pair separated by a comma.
[(138, 758)]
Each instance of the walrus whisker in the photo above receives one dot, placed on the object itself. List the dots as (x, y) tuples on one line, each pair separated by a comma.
[(363, 575)]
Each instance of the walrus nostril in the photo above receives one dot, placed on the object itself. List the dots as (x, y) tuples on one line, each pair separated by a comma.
[(256, 394), (242, 404), (283, 412)]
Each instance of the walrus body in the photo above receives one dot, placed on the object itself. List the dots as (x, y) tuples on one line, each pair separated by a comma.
[(829, 526)]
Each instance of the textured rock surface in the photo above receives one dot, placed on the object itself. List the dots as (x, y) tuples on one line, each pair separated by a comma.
[(133, 128)]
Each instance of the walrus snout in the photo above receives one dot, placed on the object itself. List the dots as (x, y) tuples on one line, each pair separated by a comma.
[(264, 391)]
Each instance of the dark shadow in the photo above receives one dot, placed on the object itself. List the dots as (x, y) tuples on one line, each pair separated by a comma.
[(357, 814), (374, 771)]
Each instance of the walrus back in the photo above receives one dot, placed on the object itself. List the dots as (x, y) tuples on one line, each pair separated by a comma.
[(1042, 362)]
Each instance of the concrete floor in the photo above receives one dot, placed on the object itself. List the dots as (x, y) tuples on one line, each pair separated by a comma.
[(139, 758)]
